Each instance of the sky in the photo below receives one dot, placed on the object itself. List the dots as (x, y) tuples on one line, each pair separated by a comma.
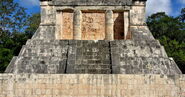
[(171, 7)]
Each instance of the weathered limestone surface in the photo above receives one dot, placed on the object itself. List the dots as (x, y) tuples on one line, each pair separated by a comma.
[(109, 25), (137, 15), (127, 33), (93, 26), (91, 2), (133, 15), (67, 25), (105, 41), (77, 19), (81, 22), (89, 57), (52, 85), (94, 57)]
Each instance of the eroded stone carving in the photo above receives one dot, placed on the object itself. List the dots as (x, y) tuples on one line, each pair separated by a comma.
[(93, 26)]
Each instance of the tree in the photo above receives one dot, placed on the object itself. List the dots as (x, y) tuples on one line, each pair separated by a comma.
[(12, 25), (170, 32), (33, 24), (5, 52), (12, 17), (182, 16), (162, 25), (5, 57)]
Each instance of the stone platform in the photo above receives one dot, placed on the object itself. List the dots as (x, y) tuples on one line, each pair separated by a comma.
[(87, 85), (92, 48), (93, 37), (93, 57)]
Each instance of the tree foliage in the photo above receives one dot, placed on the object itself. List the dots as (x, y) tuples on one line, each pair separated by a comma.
[(14, 23), (33, 24), (170, 31), (12, 17), (182, 16)]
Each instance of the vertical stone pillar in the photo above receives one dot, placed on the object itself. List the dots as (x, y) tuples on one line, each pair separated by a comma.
[(77, 19), (59, 21), (127, 34), (109, 25)]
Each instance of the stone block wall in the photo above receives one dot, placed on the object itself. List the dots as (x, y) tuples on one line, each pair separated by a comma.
[(93, 57), (85, 85), (92, 22)]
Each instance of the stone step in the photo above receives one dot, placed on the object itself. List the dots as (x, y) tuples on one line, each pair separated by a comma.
[(34, 42), (93, 71), (141, 52), (127, 51), (46, 42), (122, 44), (44, 51), (148, 65), (41, 64), (93, 66), (44, 48)]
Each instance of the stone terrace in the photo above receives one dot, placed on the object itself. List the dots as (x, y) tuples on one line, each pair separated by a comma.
[(85, 85)]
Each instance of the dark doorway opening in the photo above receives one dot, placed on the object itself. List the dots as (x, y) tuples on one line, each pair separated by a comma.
[(118, 26)]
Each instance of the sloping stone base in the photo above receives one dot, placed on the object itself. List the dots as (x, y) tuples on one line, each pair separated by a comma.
[(86, 85), (93, 57)]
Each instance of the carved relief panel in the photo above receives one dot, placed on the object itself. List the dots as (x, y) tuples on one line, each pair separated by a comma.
[(67, 25), (93, 26)]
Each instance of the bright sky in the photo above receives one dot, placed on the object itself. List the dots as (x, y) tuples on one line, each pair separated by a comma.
[(171, 7)]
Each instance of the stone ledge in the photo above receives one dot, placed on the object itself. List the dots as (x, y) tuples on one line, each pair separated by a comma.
[(91, 2), (89, 85)]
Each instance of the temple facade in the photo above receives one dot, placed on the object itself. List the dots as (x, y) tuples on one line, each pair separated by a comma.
[(92, 48), (91, 19), (93, 37)]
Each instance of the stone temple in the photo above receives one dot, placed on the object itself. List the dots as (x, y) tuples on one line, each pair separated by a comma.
[(93, 37), (92, 48)]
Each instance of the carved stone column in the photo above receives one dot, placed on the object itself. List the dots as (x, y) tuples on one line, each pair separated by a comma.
[(127, 34), (109, 25), (77, 19), (59, 21)]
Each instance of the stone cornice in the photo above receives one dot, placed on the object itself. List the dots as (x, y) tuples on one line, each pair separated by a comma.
[(92, 2)]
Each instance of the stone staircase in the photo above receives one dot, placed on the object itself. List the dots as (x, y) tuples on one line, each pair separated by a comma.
[(92, 57), (89, 57)]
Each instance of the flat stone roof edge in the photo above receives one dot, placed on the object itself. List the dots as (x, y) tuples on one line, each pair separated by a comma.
[(92, 2)]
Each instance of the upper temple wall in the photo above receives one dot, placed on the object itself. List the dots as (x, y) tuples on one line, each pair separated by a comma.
[(93, 2), (53, 16)]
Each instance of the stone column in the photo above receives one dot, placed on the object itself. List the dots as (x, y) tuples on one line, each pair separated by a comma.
[(77, 19), (59, 21), (127, 35), (109, 25)]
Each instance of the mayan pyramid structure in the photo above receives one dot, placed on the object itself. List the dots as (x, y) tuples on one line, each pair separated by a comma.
[(92, 48), (93, 37)]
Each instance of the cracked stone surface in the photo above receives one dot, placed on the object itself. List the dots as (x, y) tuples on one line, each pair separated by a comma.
[(92, 57)]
